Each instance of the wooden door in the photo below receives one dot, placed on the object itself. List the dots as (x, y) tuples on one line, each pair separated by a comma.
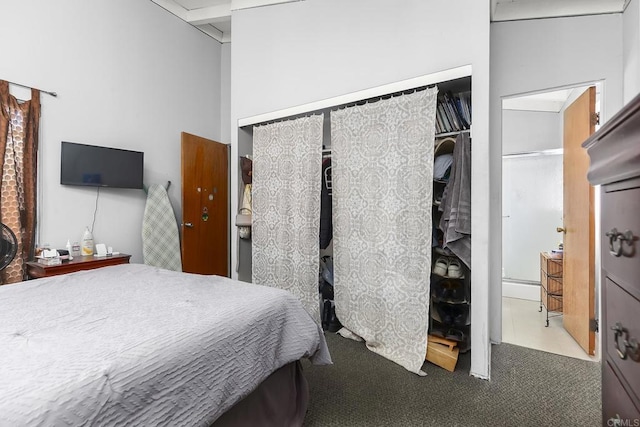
[(205, 206), (579, 225)]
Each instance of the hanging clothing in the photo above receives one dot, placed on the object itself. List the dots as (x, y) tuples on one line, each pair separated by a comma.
[(326, 222), (455, 221)]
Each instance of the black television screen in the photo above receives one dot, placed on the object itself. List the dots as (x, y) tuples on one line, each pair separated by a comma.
[(100, 166)]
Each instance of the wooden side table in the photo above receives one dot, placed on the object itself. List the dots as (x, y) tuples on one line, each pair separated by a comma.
[(36, 270)]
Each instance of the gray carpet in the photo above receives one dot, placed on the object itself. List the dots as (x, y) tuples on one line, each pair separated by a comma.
[(527, 388)]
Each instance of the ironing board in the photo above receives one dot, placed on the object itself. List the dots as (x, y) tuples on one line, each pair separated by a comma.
[(160, 236)]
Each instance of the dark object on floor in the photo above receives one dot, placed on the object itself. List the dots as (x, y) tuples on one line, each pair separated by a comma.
[(330, 321)]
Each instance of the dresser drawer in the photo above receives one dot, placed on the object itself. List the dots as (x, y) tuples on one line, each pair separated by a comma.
[(622, 309), (616, 403), (621, 210)]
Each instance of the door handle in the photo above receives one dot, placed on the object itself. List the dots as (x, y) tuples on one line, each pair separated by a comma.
[(561, 229), (188, 225)]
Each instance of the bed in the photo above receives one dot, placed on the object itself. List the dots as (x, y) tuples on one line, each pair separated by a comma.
[(138, 345)]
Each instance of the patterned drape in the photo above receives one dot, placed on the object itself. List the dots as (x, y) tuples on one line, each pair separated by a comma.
[(18, 147), (382, 156), (287, 161)]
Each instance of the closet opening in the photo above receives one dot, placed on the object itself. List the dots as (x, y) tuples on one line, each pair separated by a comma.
[(450, 317)]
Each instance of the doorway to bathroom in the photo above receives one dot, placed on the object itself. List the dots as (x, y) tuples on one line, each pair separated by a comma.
[(534, 127)]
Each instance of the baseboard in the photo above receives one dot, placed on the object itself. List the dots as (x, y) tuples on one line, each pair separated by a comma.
[(528, 290)]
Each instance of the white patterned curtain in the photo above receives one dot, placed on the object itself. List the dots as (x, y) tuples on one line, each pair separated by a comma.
[(287, 162), (382, 157)]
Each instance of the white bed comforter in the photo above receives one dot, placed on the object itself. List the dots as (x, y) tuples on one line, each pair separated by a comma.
[(138, 345)]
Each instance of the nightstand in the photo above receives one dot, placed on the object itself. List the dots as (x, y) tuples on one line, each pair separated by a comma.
[(36, 270)]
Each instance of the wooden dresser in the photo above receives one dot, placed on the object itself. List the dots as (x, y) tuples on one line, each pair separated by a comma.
[(615, 165)]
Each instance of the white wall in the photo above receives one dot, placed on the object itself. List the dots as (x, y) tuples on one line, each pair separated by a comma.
[(527, 131), (631, 50), (225, 94), (530, 56), (128, 74), (531, 211), (296, 53), (531, 190)]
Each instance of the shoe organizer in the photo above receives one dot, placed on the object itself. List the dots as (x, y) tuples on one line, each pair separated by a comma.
[(448, 290)]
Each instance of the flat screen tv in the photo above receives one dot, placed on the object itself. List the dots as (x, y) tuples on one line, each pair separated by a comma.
[(96, 166)]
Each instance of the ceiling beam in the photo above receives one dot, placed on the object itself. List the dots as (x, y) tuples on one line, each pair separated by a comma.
[(527, 9), (249, 4), (209, 15), (172, 7), (212, 31)]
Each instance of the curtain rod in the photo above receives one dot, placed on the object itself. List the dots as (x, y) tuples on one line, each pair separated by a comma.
[(350, 104), (286, 119), (29, 87), (384, 96)]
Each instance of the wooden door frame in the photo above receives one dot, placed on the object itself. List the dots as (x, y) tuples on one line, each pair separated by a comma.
[(601, 108)]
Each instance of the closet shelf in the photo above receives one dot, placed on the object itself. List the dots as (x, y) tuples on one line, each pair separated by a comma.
[(439, 277), (449, 301), (454, 133)]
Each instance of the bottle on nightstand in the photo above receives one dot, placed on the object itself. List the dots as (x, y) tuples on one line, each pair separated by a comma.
[(69, 249), (75, 249), (87, 243)]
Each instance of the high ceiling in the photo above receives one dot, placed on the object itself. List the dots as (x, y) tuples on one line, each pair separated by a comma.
[(214, 16)]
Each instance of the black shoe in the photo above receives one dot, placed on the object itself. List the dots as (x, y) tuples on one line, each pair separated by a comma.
[(459, 315), (444, 311)]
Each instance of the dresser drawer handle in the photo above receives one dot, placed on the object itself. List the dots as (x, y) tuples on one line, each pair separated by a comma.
[(630, 347), (615, 235)]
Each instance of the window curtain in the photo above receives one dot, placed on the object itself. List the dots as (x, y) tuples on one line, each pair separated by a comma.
[(382, 193), (287, 162), (19, 123)]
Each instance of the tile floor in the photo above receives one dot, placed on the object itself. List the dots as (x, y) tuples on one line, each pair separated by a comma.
[(524, 325)]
